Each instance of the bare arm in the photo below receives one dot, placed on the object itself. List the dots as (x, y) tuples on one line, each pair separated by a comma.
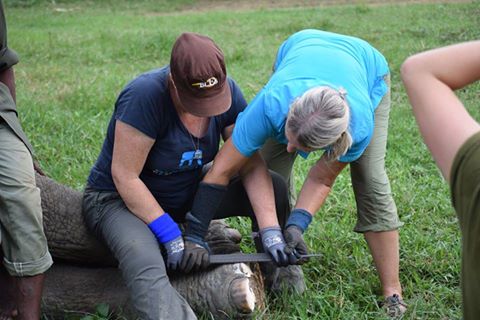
[(226, 164), (258, 184), (8, 78), (255, 177), (130, 152), (430, 78), (318, 184)]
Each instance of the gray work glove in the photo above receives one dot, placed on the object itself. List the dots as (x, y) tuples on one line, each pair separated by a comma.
[(196, 255), (175, 249), (296, 246), (274, 244)]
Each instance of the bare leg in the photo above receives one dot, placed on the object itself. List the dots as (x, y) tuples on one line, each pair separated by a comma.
[(7, 301), (384, 247), (7, 298), (29, 294)]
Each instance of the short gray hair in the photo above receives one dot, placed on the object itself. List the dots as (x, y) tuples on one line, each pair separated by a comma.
[(319, 119)]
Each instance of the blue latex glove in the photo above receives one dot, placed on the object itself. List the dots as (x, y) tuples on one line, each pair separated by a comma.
[(175, 249), (274, 244), (169, 235)]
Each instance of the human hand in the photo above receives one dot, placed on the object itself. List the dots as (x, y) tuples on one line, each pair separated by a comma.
[(297, 223), (296, 246), (274, 244), (169, 235), (175, 249), (196, 255)]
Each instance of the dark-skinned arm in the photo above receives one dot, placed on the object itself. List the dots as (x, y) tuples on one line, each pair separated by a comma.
[(7, 77)]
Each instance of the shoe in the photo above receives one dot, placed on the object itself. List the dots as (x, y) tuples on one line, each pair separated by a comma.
[(394, 306), (288, 279)]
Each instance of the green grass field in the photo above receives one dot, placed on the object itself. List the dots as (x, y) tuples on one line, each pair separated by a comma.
[(77, 55)]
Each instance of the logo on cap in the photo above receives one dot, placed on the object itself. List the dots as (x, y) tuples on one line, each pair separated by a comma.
[(210, 82)]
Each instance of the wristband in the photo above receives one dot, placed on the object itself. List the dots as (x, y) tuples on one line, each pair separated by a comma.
[(164, 228), (300, 218)]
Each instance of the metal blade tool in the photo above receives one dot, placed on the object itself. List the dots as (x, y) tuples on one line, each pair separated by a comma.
[(249, 257)]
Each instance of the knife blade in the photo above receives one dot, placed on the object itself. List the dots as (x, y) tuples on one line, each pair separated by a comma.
[(249, 257)]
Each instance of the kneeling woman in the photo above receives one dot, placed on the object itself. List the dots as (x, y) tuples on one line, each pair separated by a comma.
[(166, 125)]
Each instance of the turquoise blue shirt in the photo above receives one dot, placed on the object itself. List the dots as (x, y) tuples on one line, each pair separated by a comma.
[(308, 59)]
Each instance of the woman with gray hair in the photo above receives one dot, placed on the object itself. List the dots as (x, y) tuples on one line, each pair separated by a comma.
[(319, 119), (331, 92)]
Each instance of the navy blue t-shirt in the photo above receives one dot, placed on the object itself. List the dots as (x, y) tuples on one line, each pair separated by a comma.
[(171, 172)]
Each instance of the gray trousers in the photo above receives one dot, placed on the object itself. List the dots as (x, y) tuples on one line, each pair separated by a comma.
[(137, 250)]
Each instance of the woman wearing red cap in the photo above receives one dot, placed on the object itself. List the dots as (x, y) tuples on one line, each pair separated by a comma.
[(166, 126)]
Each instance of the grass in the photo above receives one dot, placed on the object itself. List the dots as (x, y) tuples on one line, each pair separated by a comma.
[(77, 55)]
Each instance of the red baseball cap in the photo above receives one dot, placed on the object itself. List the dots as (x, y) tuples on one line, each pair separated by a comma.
[(199, 75)]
